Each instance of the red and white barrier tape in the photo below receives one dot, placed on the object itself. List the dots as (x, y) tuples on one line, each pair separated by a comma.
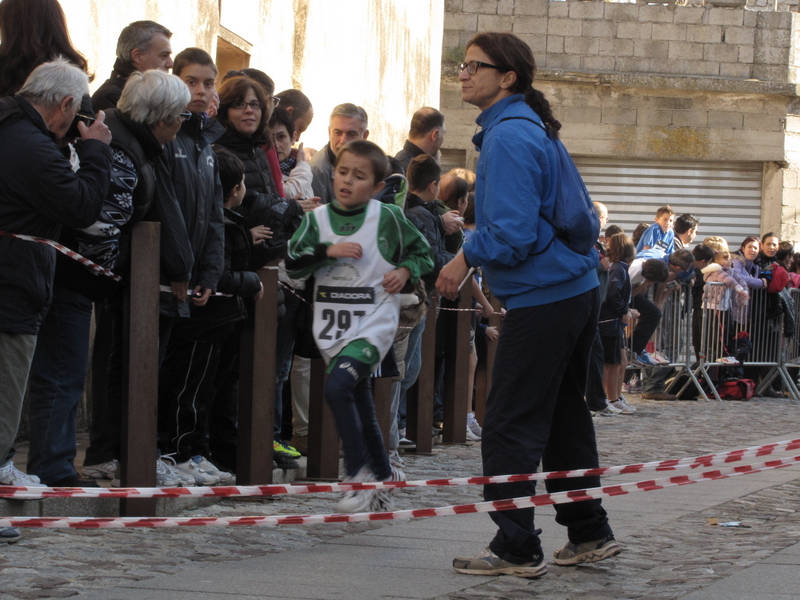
[(94, 267), (705, 461), (479, 507)]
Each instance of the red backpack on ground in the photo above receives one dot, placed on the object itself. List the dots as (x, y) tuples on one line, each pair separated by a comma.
[(736, 389)]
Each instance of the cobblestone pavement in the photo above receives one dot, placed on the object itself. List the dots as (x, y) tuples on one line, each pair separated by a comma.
[(665, 562)]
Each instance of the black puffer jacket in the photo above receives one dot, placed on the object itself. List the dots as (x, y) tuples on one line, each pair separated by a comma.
[(107, 95), (262, 205), (425, 217), (189, 206), (39, 192)]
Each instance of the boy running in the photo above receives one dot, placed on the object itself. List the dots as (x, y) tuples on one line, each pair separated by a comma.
[(363, 253)]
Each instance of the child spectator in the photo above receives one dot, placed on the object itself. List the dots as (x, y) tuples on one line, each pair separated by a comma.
[(362, 252), (660, 234), (240, 281), (639, 231), (615, 314), (720, 270), (297, 176)]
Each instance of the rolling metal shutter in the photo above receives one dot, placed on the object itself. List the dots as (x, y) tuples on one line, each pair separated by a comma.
[(724, 196)]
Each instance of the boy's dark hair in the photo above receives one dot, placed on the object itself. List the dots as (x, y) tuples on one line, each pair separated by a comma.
[(702, 252), (685, 222), (620, 248), (469, 212), (231, 170), (613, 230), (452, 189), (664, 210), (192, 56), (372, 152), (281, 116), (781, 254), (655, 269), (639, 232), (295, 99), (681, 258), (422, 171)]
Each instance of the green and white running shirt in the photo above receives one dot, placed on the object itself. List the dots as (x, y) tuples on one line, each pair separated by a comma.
[(353, 315)]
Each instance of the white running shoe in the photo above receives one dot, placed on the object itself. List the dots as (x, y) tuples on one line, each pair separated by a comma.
[(622, 405), (166, 477), (199, 474), (383, 500), (10, 475), (225, 478), (355, 501), (472, 437), (187, 480), (396, 460)]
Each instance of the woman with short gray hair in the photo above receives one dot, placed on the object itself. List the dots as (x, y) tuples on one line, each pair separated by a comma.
[(149, 115)]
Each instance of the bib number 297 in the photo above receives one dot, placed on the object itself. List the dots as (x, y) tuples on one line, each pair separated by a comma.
[(341, 320)]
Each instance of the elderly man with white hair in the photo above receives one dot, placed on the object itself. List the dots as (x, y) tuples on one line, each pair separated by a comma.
[(39, 194), (149, 114)]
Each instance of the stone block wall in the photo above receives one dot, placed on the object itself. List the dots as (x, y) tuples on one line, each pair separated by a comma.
[(575, 36)]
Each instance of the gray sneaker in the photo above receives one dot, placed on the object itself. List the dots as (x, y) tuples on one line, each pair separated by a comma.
[(587, 552), (9, 535), (100, 471), (192, 468), (488, 563), (355, 501), (622, 404), (225, 478)]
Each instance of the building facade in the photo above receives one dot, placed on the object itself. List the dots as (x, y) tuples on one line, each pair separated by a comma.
[(696, 107)]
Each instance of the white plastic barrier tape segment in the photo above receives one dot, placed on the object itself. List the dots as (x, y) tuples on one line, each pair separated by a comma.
[(480, 507), (697, 462), (94, 267)]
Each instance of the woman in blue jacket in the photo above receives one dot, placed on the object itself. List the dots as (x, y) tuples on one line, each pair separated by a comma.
[(536, 409)]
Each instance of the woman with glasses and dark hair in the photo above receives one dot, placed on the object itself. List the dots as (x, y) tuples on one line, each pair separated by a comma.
[(245, 108), (536, 410)]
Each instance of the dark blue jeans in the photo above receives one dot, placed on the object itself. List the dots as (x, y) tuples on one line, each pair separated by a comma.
[(536, 411), (348, 392), (56, 382)]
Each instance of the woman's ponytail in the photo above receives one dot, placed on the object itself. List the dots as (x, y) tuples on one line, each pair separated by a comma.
[(540, 105)]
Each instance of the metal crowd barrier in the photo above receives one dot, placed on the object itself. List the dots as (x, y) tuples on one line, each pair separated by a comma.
[(728, 328)]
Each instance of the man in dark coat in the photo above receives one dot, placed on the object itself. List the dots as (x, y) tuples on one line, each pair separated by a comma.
[(39, 192), (142, 46), (425, 136)]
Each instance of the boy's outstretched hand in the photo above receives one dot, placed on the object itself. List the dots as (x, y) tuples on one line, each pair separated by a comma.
[(395, 280), (345, 250)]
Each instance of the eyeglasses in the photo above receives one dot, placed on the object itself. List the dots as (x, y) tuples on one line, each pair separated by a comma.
[(275, 101), (186, 115), (255, 105), (472, 66)]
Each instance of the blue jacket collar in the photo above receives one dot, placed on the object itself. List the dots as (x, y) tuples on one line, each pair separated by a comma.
[(489, 116)]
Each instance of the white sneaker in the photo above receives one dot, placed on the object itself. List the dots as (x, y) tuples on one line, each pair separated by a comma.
[(100, 471), (472, 437), (166, 476), (660, 357), (192, 467), (10, 475), (187, 480), (396, 460), (609, 411), (225, 478), (475, 428), (622, 405), (355, 501), (383, 500)]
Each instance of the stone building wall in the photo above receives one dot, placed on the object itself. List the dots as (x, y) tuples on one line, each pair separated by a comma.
[(653, 81)]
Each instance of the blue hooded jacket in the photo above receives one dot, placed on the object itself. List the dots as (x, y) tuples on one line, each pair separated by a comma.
[(516, 172)]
